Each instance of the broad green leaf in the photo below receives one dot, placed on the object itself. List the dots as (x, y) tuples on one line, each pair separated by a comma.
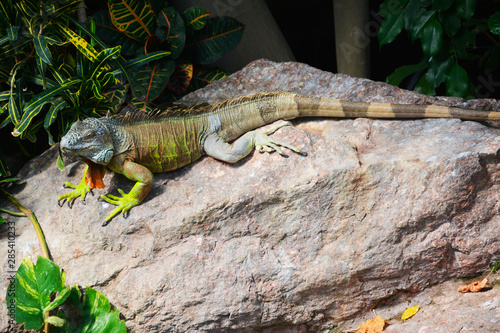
[(417, 29), (32, 131), (442, 5), (4, 40), (33, 285), (42, 50), (54, 40), (466, 8), (135, 18), (170, 27), (148, 82), (12, 33), (494, 23), (424, 87), (41, 67), (457, 83), (180, 78), (145, 58), (81, 44), (220, 35), (108, 32), (97, 315), (412, 12), (451, 22), (60, 298), (34, 106), (60, 163), (97, 89), (14, 114), (402, 72), (99, 64), (432, 38), (195, 18), (439, 66), (4, 95), (29, 8), (390, 28)]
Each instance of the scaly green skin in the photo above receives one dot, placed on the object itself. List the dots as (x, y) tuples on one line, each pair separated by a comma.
[(139, 145)]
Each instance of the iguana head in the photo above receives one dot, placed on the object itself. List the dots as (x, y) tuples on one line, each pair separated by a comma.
[(90, 141)]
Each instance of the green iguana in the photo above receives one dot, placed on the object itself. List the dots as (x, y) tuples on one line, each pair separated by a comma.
[(138, 145)]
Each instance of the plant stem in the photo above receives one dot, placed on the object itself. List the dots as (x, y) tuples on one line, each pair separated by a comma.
[(28, 213)]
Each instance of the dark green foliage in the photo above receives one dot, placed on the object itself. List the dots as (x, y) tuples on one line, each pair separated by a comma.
[(55, 70), (190, 39), (447, 31)]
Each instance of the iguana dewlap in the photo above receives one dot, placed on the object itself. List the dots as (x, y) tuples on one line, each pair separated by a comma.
[(138, 145)]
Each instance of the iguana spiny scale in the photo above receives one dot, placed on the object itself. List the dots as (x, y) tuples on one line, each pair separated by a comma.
[(137, 145)]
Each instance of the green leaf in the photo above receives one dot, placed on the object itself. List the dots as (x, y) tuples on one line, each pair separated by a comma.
[(12, 33), (412, 12), (135, 18), (97, 315), (99, 64), (402, 72), (450, 21), (417, 29), (195, 18), (42, 50), (390, 28), (466, 8), (494, 266), (108, 32), (148, 82), (494, 23), (145, 58), (60, 162), (220, 35), (424, 87), (33, 285), (457, 83), (439, 66), (442, 5), (34, 106), (60, 298), (432, 38), (170, 27), (81, 44)]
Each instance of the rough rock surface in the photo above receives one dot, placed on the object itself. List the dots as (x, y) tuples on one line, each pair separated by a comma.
[(378, 211)]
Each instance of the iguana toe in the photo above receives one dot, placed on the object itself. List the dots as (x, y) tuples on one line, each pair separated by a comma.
[(124, 203)]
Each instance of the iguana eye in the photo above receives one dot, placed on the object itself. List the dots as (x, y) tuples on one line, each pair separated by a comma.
[(89, 135)]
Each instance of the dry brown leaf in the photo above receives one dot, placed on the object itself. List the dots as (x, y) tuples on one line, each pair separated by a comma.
[(375, 325), (474, 287)]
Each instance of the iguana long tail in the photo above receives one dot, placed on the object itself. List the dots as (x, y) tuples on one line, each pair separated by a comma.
[(230, 119)]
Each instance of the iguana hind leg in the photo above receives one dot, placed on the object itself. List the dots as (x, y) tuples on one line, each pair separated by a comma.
[(80, 190), (216, 147), (144, 181)]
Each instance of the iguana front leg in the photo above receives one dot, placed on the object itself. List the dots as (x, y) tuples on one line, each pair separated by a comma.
[(216, 147), (80, 190), (144, 181)]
